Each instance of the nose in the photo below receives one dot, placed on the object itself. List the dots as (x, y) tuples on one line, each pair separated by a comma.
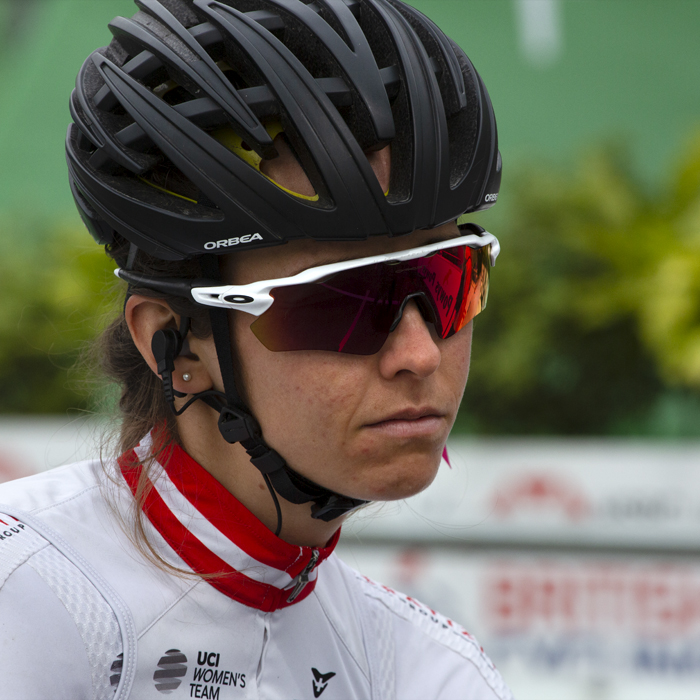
[(411, 346)]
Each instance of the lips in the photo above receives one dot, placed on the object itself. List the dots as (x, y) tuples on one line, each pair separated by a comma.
[(410, 414)]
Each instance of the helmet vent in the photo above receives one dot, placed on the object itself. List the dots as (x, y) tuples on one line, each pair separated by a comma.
[(172, 93), (378, 37), (167, 178), (462, 127)]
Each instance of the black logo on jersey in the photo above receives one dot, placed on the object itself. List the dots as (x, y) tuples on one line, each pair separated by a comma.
[(208, 678), (116, 669), (320, 681), (171, 668)]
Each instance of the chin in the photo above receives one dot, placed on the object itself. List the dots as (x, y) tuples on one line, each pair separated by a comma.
[(396, 481)]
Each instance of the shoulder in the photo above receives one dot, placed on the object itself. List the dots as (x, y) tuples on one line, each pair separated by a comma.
[(24, 543), (67, 502), (52, 488), (435, 657)]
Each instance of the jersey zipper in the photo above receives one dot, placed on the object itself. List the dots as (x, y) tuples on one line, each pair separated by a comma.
[(303, 578)]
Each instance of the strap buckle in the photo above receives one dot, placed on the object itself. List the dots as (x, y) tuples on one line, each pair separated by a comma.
[(236, 425)]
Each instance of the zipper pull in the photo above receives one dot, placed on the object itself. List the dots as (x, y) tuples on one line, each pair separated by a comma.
[(303, 577)]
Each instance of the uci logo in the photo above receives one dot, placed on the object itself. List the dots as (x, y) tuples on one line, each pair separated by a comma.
[(491, 197), (228, 242)]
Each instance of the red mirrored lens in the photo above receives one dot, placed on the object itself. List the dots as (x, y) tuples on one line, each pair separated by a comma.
[(353, 311)]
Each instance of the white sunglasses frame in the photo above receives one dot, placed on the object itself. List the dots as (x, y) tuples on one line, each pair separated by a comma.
[(255, 298)]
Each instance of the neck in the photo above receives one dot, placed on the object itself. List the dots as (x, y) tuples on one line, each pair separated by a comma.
[(231, 467)]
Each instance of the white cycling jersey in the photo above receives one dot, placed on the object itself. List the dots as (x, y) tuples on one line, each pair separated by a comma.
[(84, 615)]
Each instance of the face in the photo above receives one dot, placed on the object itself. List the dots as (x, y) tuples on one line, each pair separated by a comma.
[(370, 427)]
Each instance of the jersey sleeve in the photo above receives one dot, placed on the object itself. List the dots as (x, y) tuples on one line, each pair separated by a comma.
[(59, 638), (425, 668), (434, 657)]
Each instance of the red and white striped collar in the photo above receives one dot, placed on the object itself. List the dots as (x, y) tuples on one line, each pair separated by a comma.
[(213, 533)]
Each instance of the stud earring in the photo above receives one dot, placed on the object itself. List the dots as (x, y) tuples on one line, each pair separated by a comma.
[(187, 376)]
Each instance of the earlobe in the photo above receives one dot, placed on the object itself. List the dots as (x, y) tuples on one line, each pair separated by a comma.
[(190, 376)]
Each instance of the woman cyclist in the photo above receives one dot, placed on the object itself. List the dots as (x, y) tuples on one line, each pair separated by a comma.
[(278, 182)]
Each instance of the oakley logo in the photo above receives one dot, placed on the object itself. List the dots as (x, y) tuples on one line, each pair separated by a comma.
[(228, 242), (488, 198), (238, 299)]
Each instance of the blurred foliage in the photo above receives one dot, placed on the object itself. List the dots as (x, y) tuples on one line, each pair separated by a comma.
[(593, 323), (52, 285)]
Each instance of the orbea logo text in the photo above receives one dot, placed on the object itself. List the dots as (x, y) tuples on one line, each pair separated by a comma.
[(228, 242), (491, 197)]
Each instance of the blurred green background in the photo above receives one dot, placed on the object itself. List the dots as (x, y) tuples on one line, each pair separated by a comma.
[(593, 324)]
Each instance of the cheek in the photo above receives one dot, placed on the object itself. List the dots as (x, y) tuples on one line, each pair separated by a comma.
[(302, 392), (465, 352), (299, 398), (455, 360)]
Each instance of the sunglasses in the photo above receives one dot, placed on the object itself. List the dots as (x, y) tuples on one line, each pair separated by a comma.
[(353, 305)]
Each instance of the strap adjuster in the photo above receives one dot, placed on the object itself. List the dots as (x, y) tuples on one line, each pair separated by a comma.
[(236, 425), (265, 459)]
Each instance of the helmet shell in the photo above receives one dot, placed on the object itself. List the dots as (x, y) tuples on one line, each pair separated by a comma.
[(342, 76)]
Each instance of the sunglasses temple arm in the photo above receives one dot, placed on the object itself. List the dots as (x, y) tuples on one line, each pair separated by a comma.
[(172, 286)]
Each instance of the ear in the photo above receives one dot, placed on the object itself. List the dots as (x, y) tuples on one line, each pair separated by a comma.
[(145, 317)]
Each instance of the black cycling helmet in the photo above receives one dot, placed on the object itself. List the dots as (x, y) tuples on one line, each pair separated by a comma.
[(340, 76), (173, 118)]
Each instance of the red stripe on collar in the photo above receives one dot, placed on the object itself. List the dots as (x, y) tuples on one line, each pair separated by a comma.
[(233, 520)]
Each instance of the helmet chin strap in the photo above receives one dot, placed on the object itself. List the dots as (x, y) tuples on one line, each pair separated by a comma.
[(237, 424)]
